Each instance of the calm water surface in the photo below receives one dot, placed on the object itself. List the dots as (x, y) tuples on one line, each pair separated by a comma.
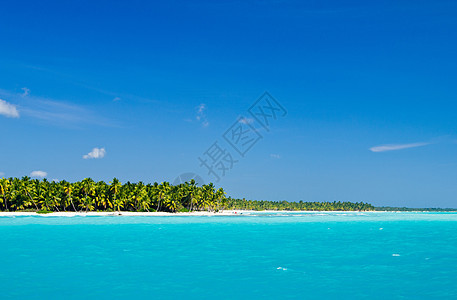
[(256, 256)]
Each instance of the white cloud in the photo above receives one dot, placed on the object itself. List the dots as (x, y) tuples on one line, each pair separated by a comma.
[(95, 153), (7, 109), (26, 91), (201, 116), (384, 148), (39, 174), (246, 120), (2, 174), (201, 108), (116, 99), (277, 156)]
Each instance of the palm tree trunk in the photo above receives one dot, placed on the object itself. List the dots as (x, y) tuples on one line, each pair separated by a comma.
[(72, 204), (32, 199), (85, 199)]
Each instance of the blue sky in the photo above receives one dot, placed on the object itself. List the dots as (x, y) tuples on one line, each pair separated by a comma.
[(369, 88)]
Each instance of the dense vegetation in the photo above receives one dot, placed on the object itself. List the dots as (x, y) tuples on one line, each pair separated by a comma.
[(296, 206), (390, 208), (87, 195)]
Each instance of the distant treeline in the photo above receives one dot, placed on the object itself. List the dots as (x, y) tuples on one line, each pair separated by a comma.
[(26, 194), (390, 208), (296, 206)]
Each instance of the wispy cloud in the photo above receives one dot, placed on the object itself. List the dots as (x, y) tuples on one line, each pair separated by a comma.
[(2, 174), (49, 110), (201, 115), (38, 174), (393, 147), (116, 99), (246, 120), (26, 92), (95, 153), (8, 110), (275, 156), (69, 78)]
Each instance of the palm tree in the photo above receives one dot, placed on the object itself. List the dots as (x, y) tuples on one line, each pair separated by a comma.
[(207, 196), (101, 195), (192, 193), (68, 189), (4, 191), (175, 197), (25, 182), (153, 193), (141, 197), (220, 197), (88, 188), (163, 193), (114, 189)]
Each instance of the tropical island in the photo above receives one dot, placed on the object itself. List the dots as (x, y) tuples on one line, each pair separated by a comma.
[(43, 196)]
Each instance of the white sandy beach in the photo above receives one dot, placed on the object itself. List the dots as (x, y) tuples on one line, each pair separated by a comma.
[(162, 214), (122, 213), (129, 213)]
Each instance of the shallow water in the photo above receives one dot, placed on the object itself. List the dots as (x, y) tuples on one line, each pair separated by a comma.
[(255, 256)]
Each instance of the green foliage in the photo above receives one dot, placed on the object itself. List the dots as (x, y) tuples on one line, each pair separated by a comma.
[(44, 211), (28, 194), (87, 195), (389, 208), (244, 204)]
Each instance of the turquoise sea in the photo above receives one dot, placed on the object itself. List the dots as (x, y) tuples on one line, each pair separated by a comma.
[(251, 256)]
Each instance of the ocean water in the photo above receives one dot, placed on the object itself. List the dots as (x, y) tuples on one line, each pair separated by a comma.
[(251, 256)]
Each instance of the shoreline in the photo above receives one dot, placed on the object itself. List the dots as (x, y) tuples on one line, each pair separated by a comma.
[(122, 213), (180, 214)]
